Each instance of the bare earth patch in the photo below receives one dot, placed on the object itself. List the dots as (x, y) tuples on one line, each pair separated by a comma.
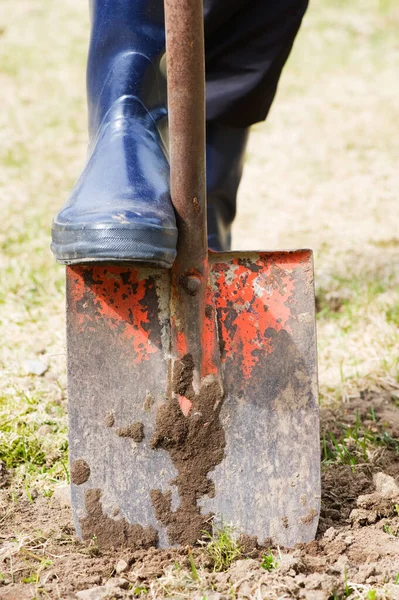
[(356, 551)]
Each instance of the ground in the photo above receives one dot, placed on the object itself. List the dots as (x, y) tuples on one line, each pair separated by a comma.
[(321, 173)]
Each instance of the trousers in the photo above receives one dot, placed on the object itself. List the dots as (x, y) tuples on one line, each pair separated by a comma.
[(247, 43)]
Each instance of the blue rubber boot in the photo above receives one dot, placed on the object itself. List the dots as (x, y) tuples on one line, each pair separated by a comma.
[(225, 153), (120, 208)]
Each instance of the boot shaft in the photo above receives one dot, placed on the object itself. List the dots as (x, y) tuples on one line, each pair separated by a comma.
[(126, 46)]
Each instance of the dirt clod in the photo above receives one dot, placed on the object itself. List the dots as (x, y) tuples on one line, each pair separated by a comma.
[(109, 419), (148, 402), (386, 485), (310, 517), (135, 431), (248, 545), (62, 495), (111, 532), (80, 471), (121, 566)]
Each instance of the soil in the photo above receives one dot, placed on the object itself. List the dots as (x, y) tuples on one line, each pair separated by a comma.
[(3, 474), (80, 471), (111, 532), (195, 442), (135, 431), (357, 543)]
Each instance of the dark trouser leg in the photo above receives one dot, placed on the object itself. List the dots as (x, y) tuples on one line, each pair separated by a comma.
[(247, 44)]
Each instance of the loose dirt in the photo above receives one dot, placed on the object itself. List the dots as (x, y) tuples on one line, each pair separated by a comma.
[(195, 442), (111, 532), (356, 549), (135, 431), (80, 471)]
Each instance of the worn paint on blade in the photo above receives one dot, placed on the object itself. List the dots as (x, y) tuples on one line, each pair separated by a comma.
[(254, 296), (194, 323), (116, 296), (185, 405), (209, 339)]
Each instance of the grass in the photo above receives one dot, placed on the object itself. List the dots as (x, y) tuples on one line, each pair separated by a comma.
[(391, 529), (33, 443), (221, 546), (194, 571), (357, 591), (355, 444), (269, 562), (32, 551)]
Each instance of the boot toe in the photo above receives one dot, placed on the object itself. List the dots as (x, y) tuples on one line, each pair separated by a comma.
[(120, 208), (120, 235)]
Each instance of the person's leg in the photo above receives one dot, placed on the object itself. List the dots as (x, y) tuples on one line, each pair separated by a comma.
[(247, 44), (225, 151), (120, 209)]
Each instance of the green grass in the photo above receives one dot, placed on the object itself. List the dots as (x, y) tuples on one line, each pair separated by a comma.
[(139, 590), (392, 315), (391, 529), (355, 444), (269, 562), (34, 577), (221, 546), (194, 571), (35, 460)]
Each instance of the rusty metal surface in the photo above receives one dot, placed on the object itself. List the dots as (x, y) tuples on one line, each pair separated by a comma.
[(118, 344), (186, 110), (186, 113), (268, 483)]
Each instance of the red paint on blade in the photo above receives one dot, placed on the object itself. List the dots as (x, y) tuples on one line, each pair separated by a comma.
[(253, 297), (115, 297), (185, 405)]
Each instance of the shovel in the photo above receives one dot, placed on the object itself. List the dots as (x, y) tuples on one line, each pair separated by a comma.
[(193, 392)]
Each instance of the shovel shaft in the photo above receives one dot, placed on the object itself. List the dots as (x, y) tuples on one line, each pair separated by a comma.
[(190, 335), (186, 107)]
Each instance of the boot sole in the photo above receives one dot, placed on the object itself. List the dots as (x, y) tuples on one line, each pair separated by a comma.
[(152, 246)]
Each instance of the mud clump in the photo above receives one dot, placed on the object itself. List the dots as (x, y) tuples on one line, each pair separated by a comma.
[(109, 419), (80, 471), (310, 517), (113, 533), (183, 376), (195, 445), (148, 402), (135, 431), (248, 545)]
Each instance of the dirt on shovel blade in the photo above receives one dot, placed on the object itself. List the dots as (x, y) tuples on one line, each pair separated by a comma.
[(195, 443)]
